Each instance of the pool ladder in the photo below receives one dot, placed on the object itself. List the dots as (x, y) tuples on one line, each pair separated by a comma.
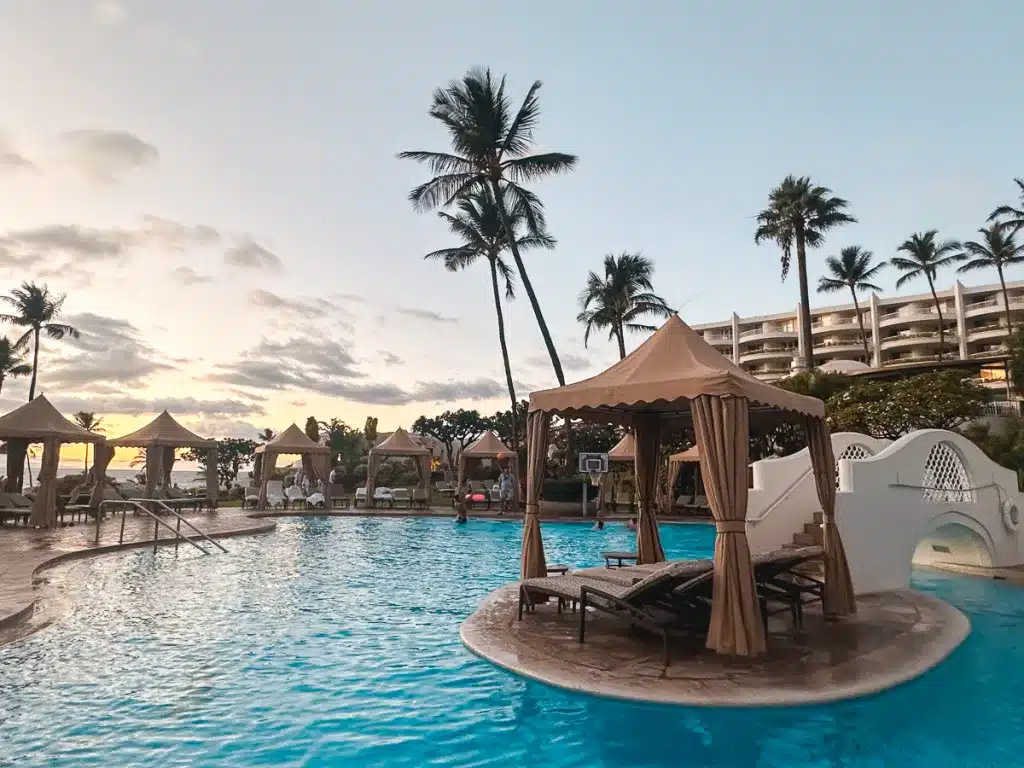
[(140, 506)]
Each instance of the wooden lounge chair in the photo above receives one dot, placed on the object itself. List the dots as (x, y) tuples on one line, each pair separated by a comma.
[(360, 496), (420, 498), (444, 489), (14, 512), (623, 500), (781, 577), (673, 599), (401, 496)]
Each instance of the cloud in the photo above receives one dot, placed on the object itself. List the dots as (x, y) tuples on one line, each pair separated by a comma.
[(188, 276), (130, 405), (106, 156), (445, 391), (390, 359), (221, 427), (109, 12), (109, 351), (251, 255), (80, 243), (570, 362), (11, 160), (173, 235), (425, 314)]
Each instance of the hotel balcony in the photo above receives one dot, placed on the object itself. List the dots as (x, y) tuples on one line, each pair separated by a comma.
[(767, 332), (840, 324), (840, 345), (770, 373), (757, 354), (990, 352), (992, 306), (719, 339), (907, 315), (986, 332), (918, 338)]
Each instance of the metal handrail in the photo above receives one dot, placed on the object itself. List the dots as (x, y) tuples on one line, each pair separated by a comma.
[(157, 522), (181, 519)]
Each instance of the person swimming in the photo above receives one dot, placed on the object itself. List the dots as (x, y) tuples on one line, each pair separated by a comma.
[(631, 524), (460, 515), (598, 526)]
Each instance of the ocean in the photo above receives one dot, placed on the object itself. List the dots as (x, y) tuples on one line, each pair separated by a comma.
[(185, 478)]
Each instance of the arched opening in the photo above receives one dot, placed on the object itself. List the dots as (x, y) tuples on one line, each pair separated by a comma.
[(956, 542), (853, 451)]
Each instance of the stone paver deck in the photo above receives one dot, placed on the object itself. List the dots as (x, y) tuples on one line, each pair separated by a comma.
[(24, 552), (894, 637)]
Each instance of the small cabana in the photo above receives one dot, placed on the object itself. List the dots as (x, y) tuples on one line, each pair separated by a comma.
[(39, 422), (623, 451), (675, 467), (399, 444), (160, 439), (489, 446), (672, 381), (293, 441)]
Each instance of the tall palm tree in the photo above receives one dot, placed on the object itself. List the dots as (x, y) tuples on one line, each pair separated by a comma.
[(616, 301), (1007, 216), (854, 270), (491, 145), (999, 249), (799, 213), (926, 256), (12, 361), (37, 310), (266, 435), (480, 227), (90, 422)]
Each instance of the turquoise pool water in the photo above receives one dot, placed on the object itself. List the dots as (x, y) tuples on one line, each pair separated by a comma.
[(334, 642)]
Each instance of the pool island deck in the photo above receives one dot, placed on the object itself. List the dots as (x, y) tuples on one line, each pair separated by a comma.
[(894, 637)]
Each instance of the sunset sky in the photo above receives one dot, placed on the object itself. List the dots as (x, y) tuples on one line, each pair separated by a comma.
[(214, 185)]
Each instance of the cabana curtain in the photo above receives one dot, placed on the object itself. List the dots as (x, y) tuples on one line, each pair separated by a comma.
[(101, 458), (44, 506), (648, 445), (538, 425)]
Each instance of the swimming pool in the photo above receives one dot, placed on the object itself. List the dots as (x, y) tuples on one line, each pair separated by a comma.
[(334, 642)]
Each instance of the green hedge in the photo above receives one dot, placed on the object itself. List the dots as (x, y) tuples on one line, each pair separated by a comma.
[(567, 490)]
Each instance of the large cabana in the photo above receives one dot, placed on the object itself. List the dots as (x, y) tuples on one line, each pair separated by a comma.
[(399, 444), (489, 446), (160, 439), (293, 441), (39, 422), (674, 380)]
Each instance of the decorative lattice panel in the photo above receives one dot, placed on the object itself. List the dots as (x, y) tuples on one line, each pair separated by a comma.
[(945, 477), (853, 451)]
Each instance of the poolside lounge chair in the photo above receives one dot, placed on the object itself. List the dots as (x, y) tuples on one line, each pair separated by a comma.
[(384, 497), (623, 500), (445, 489), (295, 496), (275, 493), (699, 504), (360, 496), (14, 512), (420, 498), (251, 497), (781, 577), (401, 496), (672, 599)]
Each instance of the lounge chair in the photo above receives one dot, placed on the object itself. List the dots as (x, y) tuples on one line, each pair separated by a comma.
[(295, 496), (360, 496), (11, 511), (275, 493), (781, 577), (623, 500), (420, 498), (251, 497), (699, 504), (383, 496), (444, 489), (674, 598), (401, 496)]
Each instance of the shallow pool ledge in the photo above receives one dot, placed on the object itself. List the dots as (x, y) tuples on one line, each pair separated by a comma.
[(895, 637)]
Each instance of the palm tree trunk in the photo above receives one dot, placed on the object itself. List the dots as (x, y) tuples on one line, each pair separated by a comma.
[(504, 353), (86, 461), (35, 366), (938, 308), (1006, 301), (499, 198), (860, 321), (622, 341), (805, 300)]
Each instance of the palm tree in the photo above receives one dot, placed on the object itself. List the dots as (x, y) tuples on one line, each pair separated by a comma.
[(798, 214), (38, 311), (853, 270), (998, 249), (12, 361), (490, 147), (266, 435), (926, 257), (90, 422), (1007, 216), (614, 302), (479, 225)]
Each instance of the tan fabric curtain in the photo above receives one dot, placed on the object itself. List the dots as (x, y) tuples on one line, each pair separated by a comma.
[(167, 466), (17, 450), (722, 425), (44, 506), (212, 478), (321, 465), (514, 469), (423, 468), (308, 470), (838, 599), (257, 469), (269, 464), (538, 426), (648, 447), (674, 469), (154, 459), (101, 458), (372, 465)]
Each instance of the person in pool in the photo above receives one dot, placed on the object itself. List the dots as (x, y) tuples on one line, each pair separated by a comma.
[(463, 503), (599, 525), (631, 524)]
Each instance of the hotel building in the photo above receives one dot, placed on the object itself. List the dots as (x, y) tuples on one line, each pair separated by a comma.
[(901, 330)]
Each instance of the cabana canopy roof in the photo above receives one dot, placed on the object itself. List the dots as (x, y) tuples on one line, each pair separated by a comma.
[(293, 440), (39, 420), (661, 376), (624, 450), (163, 431), (400, 443), (488, 446), (689, 455)]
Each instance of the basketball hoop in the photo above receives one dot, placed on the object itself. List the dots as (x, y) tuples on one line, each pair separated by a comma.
[(595, 478)]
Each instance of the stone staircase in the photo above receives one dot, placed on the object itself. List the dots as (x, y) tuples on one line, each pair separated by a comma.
[(811, 535)]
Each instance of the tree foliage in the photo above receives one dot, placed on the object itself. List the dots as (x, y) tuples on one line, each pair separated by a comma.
[(1004, 446), (938, 400), (36, 309), (370, 430), (502, 424), (1016, 362), (451, 427), (232, 454)]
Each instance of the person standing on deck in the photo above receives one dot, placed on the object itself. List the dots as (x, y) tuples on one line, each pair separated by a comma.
[(506, 487)]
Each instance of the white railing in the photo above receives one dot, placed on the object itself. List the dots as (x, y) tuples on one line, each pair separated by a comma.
[(983, 304), (1003, 408), (1000, 350), (713, 338)]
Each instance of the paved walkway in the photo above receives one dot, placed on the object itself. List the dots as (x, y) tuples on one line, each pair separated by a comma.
[(894, 637), (24, 551)]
